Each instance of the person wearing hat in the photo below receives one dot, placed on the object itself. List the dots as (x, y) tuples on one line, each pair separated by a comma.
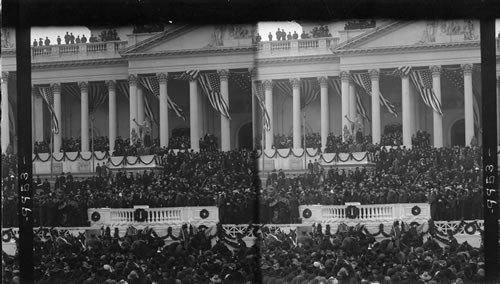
[(215, 279)]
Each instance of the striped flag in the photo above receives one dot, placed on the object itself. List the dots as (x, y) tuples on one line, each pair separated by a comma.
[(97, 95), (210, 83), (422, 79), (188, 75), (48, 97), (455, 76), (149, 111), (364, 82), (153, 86), (335, 84), (402, 71), (360, 107), (259, 94), (309, 90)]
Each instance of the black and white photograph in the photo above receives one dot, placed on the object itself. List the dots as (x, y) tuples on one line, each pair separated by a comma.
[(275, 152)]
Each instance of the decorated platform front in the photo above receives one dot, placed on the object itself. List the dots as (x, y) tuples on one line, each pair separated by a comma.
[(143, 215), (298, 159), (353, 213)]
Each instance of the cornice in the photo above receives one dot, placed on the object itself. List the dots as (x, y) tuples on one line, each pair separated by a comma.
[(74, 63), (389, 49), (298, 59), (205, 51)]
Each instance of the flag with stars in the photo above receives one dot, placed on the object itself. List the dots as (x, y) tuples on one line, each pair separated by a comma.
[(210, 83), (153, 86), (456, 77), (364, 82), (422, 79), (48, 97), (259, 94)]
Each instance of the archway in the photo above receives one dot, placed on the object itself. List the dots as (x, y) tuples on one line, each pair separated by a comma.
[(245, 137), (458, 133)]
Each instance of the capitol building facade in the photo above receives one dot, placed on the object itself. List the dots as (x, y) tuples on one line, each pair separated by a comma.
[(423, 75)]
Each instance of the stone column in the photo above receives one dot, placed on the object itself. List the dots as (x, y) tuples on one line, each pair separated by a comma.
[(225, 127), (344, 77), (38, 114), (56, 90), (268, 90), (84, 102), (437, 119), (376, 119), (140, 105), (405, 87), (325, 126), (352, 101), (194, 118), (162, 79), (468, 103), (132, 81), (297, 137), (5, 112), (112, 114)]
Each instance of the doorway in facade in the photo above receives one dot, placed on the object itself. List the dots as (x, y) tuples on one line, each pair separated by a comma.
[(458, 133), (245, 137)]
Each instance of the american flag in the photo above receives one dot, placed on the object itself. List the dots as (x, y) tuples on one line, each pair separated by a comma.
[(402, 71), (364, 82), (210, 83), (48, 97), (360, 107), (423, 81), (335, 84), (153, 86), (243, 80), (188, 75), (309, 90), (455, 76), (259, 94)]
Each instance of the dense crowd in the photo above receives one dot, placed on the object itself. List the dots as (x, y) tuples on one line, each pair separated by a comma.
[(69, 38), (101, 144), (281, 34), (204, 255), (447, 178)]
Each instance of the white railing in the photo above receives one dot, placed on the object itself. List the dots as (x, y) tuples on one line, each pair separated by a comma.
[(41, 50), (68, 49), (308, 43), (96, 47), (279, 45), (407, 212), (171, 216)]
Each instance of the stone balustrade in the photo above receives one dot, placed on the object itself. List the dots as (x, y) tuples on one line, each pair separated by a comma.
[(171, 216), (329, 214), (80, 51), (296, 47)]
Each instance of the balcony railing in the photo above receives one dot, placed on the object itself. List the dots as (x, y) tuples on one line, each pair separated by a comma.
[(297, 47), (94, 50)]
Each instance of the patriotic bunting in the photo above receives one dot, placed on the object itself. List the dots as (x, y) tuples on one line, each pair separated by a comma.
[(259, 94), (309, 90), (422, 79), (210, 83), (151, 84), (455, 76), (364, 82), (48, 97)]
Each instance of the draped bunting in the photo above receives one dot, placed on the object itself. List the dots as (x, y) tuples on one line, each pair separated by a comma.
[(364, 82), (98, 93), (336, 85), (48, 97), (259, 94), (151, 84), (309, 90), (422, 80), (210, 83)]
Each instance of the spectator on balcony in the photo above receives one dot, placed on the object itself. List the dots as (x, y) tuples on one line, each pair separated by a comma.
[(278, 34), (295, 35), (258, 38), (78, 39), (67, 38), (58, 40), (303, 35), (47, 41), (270, 36), (35, 43), (72, 38), (40, 42), (289, 36), (84, 39), (283, 34)]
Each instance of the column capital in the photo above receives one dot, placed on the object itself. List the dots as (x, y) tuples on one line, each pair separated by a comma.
[(436, 70), (323, 81), (223, 74), (162, 77), (467, 68), (374, 74), (56, 87), (268, 85), (345, 75), (132, 80), (84, 86), (295, 83), (111, 85)]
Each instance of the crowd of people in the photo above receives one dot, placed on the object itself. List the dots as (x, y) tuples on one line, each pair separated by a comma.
[(204, 255), (281, 34), (70, 144), (109, 35), (69, 38)]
